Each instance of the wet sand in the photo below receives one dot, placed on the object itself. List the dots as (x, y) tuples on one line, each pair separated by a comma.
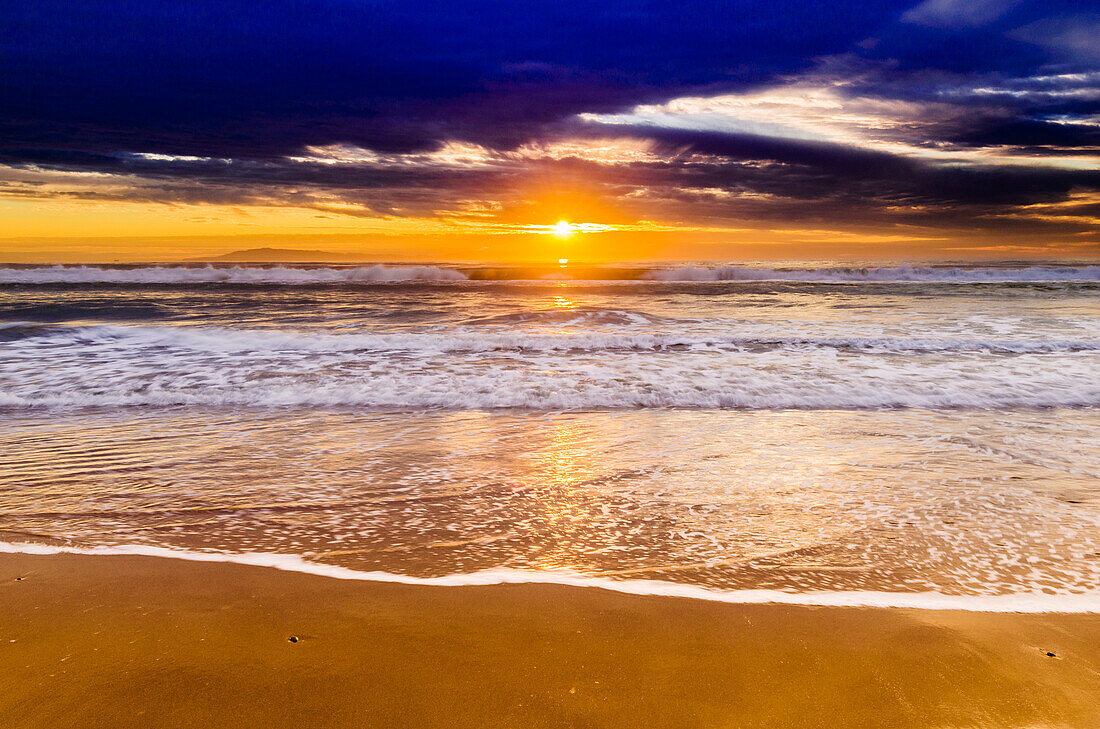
[(143, 642)]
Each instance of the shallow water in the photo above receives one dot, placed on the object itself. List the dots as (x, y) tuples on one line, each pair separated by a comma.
[(843, 432)]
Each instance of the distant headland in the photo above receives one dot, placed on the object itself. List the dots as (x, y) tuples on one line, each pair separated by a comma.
[(277, 255)]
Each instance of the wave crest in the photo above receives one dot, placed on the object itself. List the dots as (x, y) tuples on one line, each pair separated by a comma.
[(471, 340), (229, 275), (291, 275), (885, 274)]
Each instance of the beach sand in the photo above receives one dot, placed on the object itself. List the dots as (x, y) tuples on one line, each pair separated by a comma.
[(145, 642)]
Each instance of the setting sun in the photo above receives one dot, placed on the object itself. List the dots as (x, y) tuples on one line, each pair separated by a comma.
[(563, 229)]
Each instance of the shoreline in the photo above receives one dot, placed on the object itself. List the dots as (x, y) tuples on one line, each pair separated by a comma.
[(1018, 603), (121, 641)]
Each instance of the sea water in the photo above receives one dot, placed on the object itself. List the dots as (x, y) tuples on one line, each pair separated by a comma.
[(810, 433)]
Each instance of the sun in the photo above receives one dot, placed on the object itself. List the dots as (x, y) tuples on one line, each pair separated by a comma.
[(563, 229)]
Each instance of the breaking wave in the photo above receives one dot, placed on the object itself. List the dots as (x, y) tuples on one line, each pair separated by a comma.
[(458, 393), (886, 274), (266, 341), (377, 274), (229, 275)]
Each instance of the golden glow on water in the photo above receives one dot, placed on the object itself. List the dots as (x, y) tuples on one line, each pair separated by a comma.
[(913, 501), (561, 302), (560, 471)]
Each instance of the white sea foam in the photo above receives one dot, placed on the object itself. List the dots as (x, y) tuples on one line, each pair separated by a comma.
[(231, 275), (166, 366), (471, 339), (290, 275), (1021, 602), (885, 274), (557, 386), (444, 396)]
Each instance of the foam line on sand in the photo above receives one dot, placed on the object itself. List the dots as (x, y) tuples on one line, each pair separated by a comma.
[(1007, 603)]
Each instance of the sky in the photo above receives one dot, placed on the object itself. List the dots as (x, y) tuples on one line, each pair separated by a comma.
[(410, 130)]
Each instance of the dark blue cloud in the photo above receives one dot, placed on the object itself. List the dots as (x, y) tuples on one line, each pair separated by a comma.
[(232, 77)]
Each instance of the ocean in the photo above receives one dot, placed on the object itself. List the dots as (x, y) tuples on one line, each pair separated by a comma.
[(899, 434)]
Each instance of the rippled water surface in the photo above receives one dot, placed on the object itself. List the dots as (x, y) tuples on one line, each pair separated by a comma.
[(832, 428)]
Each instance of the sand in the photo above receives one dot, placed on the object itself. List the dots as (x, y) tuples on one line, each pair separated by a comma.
[(142, 642)]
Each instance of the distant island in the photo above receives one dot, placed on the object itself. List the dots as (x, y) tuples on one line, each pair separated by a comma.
[(276, 255)]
